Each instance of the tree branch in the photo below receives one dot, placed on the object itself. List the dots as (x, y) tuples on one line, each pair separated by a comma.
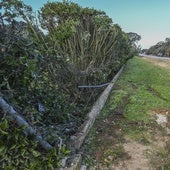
[(21, 122)]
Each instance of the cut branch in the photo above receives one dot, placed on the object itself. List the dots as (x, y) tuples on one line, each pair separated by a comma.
[(21, 122)]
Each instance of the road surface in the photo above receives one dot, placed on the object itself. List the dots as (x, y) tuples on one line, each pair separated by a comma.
[(154, 57)]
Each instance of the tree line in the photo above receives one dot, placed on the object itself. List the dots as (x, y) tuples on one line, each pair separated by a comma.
[(161, 49)]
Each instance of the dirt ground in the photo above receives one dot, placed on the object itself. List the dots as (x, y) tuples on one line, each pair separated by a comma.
[(135, 155), (141, 155)]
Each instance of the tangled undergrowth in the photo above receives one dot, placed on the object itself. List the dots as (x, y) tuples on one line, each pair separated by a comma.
[(42, 61)]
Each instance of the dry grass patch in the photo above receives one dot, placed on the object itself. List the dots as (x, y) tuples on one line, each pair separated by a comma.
[(159, 62)]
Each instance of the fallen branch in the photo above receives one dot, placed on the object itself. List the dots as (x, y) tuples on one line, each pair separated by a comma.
[(21, 122)]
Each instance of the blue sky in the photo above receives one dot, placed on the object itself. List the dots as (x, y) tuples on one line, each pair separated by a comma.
[(148, 18)]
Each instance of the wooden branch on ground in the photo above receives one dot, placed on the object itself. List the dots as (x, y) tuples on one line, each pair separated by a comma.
[(21, 122)]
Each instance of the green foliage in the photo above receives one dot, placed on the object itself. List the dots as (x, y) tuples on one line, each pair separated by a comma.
[(160, 49), (17, 151), (25, 65), (12, 9), (64, 31), (133, 39), (18, 60), (81, 46), (57, 108), (92, 48)]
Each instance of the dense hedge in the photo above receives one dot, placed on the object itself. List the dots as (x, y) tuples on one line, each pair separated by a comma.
[(42, 61)]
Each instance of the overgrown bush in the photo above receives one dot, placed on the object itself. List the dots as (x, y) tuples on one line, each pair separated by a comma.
[(41, 66), (19, 152)]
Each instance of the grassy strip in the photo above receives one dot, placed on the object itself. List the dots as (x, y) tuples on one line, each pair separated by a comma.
[(141, 89)]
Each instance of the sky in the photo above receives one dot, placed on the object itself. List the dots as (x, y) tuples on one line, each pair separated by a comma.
[(148, 18)]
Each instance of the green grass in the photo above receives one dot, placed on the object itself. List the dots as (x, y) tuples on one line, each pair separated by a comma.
[(141, 88)]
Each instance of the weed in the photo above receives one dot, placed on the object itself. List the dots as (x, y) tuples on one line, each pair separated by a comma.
[(160, 159), (113, 153)]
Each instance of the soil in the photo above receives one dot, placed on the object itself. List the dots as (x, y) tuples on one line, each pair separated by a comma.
[(135, 156), (137, 160), (138, 152)]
